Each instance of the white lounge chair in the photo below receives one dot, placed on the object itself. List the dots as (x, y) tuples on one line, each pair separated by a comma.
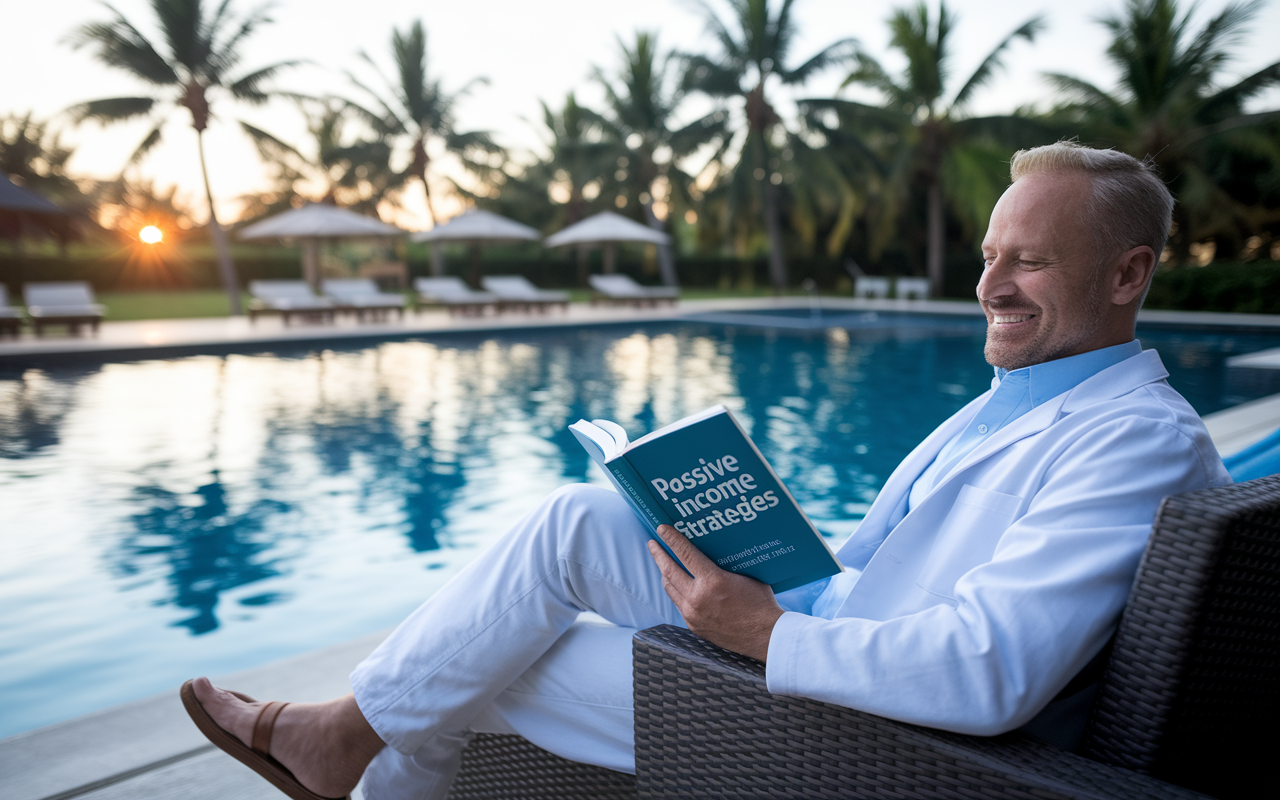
[(287, 298), (362, 296), (10, 317), (517, 292), (869, 287), (912, 289), (455, 295), (619, 289), (69, 303)]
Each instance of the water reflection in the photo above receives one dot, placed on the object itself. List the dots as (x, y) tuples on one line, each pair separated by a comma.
[(206, 549)]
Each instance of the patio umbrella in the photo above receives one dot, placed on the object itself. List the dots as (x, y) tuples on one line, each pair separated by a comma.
[(22, 209), (476, 226), (606, 229), (315, 222)]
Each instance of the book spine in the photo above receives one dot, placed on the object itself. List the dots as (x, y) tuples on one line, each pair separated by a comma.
[(634, 486)]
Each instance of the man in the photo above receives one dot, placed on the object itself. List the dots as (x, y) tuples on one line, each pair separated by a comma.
[(989, 571)]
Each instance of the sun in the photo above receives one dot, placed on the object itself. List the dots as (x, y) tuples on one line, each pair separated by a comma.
[(151, 235)]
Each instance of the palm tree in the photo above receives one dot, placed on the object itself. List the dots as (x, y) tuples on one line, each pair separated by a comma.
[(754, 50), (353, 173), (1169, 105), (417, 109), (922, 135), (640, 119), (201, 48)]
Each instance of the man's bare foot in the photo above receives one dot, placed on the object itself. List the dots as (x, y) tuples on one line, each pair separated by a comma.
[(325, 745)]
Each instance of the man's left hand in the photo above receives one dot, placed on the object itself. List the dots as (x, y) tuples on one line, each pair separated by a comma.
[(733, 611)]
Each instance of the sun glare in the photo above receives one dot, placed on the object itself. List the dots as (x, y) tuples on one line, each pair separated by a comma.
[(151, 235)]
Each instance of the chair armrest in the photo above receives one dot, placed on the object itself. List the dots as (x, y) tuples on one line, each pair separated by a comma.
[(705, 724)]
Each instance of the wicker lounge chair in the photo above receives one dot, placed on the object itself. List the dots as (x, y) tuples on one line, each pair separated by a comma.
[(288, 299), (622, 290), (516, 292), (69, 303), (10, 317), (1186, 704), (361, 296), (454, 294)]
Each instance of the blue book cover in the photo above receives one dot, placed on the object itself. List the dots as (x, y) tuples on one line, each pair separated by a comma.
[(705, 477)]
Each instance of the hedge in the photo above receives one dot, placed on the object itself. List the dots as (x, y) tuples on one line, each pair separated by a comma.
[(1247, 288)]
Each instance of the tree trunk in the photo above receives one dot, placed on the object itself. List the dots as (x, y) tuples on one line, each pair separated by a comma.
[(226, 268), (666, 261), (936, 246), (311, 262), (437, 259), (772, 226)]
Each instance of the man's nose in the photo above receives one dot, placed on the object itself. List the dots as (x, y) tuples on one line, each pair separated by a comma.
[(996, 280)]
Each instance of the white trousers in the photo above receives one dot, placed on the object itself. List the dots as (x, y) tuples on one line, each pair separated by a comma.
[(499, 649)]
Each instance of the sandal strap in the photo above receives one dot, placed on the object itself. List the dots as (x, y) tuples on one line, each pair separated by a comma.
[(265, 725)]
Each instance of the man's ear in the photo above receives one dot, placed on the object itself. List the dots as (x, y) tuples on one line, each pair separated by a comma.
[(1130, 274)]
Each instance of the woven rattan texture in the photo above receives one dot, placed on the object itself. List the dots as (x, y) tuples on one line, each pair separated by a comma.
[(1192, 691), (706, 726), (499, 767)]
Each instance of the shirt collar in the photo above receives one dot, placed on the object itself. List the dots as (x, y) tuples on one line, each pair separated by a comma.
[(1051, 378)]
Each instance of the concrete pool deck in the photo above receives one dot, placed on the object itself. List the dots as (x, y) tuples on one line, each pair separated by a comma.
[(149, 749)]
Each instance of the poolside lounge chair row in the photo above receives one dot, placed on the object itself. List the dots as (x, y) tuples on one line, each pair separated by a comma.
[(501, 293), (69, 303), (359, 296)]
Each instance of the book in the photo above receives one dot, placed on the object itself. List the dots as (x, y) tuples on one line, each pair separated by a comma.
[(705, 477)]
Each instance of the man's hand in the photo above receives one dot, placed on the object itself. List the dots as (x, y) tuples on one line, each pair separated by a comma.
[(733, 611)]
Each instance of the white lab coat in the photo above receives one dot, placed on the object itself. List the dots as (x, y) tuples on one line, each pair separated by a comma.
[(979, 606)]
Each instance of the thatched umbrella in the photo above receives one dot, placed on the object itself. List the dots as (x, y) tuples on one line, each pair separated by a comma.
[(476, 227), (605, 230), (24, 211), (313, 223)]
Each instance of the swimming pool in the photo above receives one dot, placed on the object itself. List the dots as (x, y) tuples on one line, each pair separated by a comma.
[(203, 514)]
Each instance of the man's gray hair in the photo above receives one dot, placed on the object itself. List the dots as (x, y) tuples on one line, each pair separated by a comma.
[(1130, 205)]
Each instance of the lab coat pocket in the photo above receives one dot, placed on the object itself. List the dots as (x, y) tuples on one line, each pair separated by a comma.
[(967, 538)]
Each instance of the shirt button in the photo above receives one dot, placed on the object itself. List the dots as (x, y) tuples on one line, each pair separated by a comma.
[(982, 429)]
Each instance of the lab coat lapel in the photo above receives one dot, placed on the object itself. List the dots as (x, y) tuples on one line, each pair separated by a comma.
[(1115, 381), (873, 528), (922, 520)]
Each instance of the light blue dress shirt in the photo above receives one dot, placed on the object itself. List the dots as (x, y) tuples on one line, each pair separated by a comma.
[(1016, 393)]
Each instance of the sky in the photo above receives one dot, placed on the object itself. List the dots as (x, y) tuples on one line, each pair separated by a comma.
[(528, 51)]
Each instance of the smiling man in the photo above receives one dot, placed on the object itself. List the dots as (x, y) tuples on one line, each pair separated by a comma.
[(977, 593)]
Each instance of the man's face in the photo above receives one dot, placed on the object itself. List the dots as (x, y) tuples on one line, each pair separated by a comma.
[(1042, 294)]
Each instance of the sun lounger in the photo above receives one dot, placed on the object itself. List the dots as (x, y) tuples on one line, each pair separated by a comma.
[(287, 298), (362, 296), (69, 303), (10, 317), (869, 287), (516, 292), (455, 295), (911, 288), (621, 289)]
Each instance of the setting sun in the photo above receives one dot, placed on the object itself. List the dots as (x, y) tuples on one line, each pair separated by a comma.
[(151, 235)]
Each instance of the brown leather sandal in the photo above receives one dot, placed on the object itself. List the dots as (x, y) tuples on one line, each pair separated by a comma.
[(254, 757)]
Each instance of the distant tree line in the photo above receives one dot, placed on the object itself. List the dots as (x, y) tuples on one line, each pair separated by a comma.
[(902, 185)]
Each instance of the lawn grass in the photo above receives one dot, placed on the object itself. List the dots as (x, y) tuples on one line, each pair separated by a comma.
[(183, 304), (194, 303)]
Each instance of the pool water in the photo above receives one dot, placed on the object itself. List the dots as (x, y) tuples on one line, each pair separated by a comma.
[(199, 515)]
